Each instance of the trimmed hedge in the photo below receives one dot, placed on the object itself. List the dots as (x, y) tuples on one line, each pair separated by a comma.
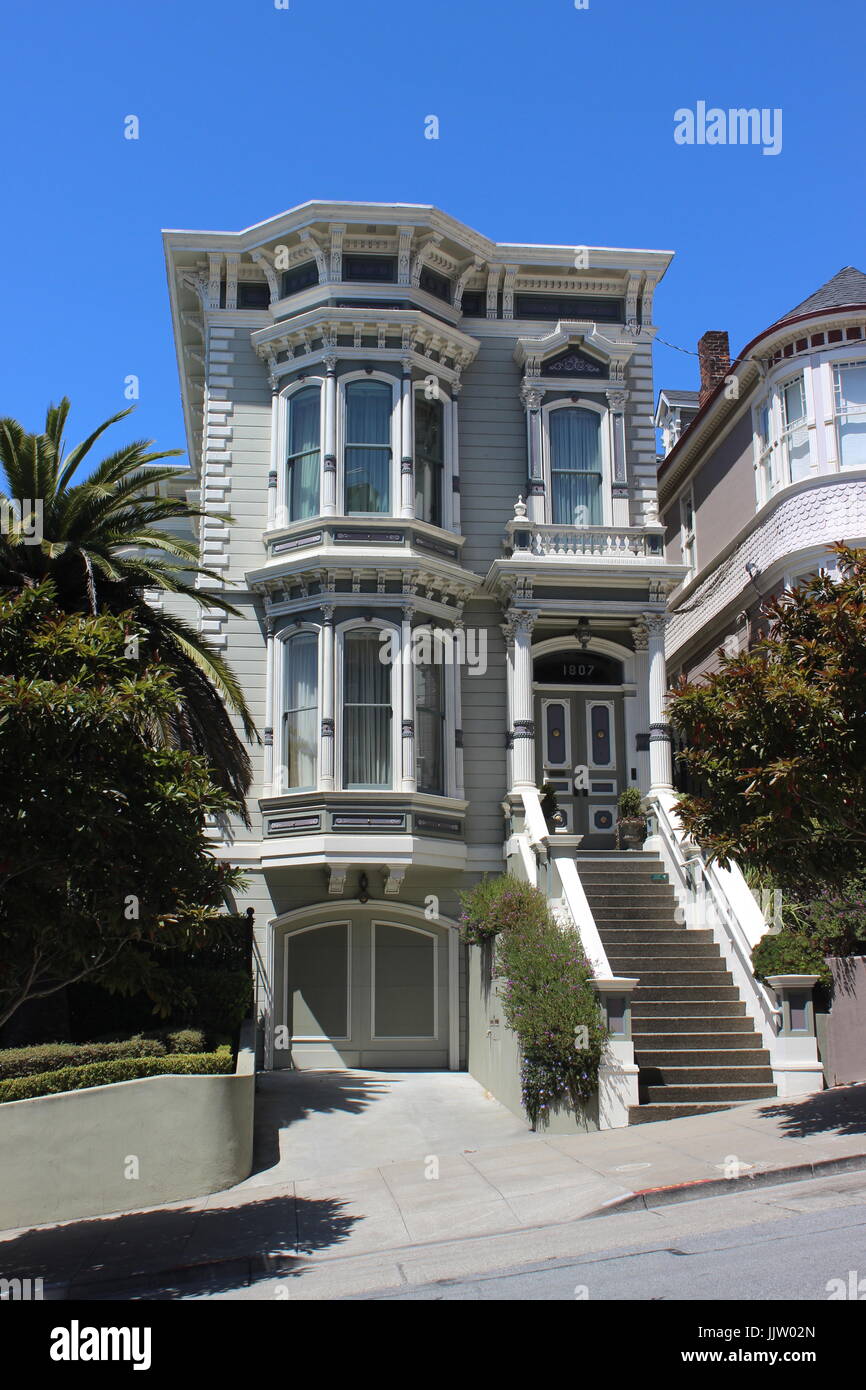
[(51, 1083), (45, 1057)]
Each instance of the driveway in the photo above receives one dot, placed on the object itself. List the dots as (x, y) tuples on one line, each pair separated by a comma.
[(311, 1124)]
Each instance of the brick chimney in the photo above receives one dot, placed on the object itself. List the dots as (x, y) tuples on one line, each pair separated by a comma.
[(714, 356)]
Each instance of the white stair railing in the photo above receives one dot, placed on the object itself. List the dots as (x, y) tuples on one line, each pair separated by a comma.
[(720, 900)]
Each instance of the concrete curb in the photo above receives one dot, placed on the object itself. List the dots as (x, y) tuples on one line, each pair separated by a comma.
[(648, 1197)]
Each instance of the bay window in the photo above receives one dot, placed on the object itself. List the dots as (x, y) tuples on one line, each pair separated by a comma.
[(367, 711), (850, 393), (300, 711), (430, 727), (368, 447), (575, 466), (429, 459), (796, 433), (302, 463)]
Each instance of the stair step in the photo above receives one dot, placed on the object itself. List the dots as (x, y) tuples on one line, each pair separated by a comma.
[(679, 994), (657, 936), (663, 951), (702, 1076), (652, 1046), (674, 1012), (625, 916), (620, 895), (671, 979), (667, 1025), (648, 1114), (727, 1091)]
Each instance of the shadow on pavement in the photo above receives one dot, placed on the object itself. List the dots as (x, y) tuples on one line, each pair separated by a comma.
[(841, 1110), (284, 1097)]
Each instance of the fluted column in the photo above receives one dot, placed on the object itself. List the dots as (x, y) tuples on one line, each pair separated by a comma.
[(619, 479), (327, 772), (642, 709), (455, 457), (523, 723), (274, 469), (407, 460), (409, 781), (268, 777), (329, 463), (531, 398), (457, 696), (661, 764)]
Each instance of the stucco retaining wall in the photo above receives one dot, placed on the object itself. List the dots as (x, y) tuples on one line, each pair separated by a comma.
[(494, 1054), (68, 1156), (843, 1049)]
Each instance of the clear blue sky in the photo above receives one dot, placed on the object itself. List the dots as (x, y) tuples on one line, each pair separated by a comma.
[(556, 126)]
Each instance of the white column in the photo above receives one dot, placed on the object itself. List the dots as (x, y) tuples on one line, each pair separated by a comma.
[(642, 710), (523, 726), (327, 774), (409, 780), (661, 766), (268, 778), (508, 634), (531, 398), (329, 470), (407, 464), (619, 475), (454, 482), (457, 696), (275, 438)]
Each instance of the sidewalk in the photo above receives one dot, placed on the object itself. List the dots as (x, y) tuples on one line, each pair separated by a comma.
[(303, 1229)]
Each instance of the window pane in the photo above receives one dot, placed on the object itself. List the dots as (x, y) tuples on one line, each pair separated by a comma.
[(575, 445), (367, 712), (851, 405), (368, 451), (303, 454), (300, 743), (795, 401), (429, 728), (429, 459)]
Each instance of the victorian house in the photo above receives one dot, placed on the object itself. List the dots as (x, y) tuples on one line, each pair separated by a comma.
[(430, 464)]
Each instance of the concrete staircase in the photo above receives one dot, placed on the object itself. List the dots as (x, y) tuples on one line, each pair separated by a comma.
[(695, 1047)]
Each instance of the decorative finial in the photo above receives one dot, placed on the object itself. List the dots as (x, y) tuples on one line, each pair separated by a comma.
[(520, 507)]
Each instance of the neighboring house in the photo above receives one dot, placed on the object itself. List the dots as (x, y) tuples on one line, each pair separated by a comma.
[(769, 472), (438, 456)]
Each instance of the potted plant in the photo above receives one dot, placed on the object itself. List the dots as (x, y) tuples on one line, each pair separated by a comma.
[(631, 821)]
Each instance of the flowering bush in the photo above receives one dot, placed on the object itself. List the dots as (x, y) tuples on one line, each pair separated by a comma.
[(547, 994)]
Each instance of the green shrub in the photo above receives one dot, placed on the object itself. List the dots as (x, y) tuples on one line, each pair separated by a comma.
[(121, 1069), (186, 1040), (46, 1057), (215, 1001), (790, 953), (548, 998), (630, 803), (499, 905)]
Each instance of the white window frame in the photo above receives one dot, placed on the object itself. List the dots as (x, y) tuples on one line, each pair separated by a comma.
[(284, 635), (396, 441), (450, 673), (837, 366), (688, 535), (449, 462), (360, 624), (606, 443), (281, 514)]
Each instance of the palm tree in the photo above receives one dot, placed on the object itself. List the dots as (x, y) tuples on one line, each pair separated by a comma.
[(102, 545)]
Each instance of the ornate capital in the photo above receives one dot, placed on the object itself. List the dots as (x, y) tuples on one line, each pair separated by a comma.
[(524, 728), (522, 620), (531, 396), (330, 364), (640, 637), (655, 624), (617, 401), (328, 614), (327, 728)]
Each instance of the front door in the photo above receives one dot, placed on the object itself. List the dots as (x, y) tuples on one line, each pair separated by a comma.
[(364, 991), (580, 750)]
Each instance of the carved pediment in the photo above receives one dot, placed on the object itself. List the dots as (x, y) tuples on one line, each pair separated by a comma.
[(573, 362)]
